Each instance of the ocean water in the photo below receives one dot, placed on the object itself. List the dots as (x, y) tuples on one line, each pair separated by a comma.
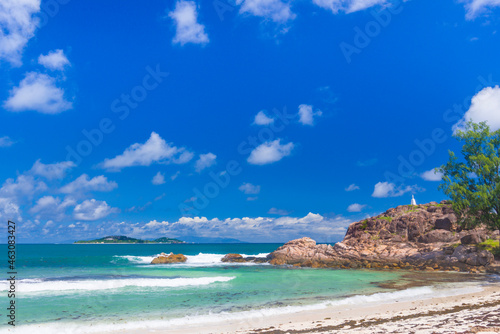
[(92, 288)]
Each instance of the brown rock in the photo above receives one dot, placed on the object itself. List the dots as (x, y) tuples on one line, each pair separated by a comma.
[(414, 231), (432, 209), (436, 236), (470, 256), (384, 234), (304, 250), (472, 238), (445, 223), (231, 257), (171, 258)]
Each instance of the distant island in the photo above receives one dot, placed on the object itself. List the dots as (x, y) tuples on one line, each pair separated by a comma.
[(120, 239)]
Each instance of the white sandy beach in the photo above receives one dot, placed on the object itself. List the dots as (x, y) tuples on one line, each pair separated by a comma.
[(477, 312)]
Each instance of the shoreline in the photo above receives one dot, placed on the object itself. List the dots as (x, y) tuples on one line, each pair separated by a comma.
[(461, 313), (452, 304)]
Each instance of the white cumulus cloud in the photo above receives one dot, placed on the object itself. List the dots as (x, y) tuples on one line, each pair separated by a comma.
[(49, 207), (432, 175), (9, 210), (25, 186), (37, 92), (386, 189), (92, 210), (205, 161), (307, 115), (269, 152), (276, 10), (52, 171), (485, 107), (355, 207), (187, 28), (158, 179), (6, 141), (261, 229), (154, 150), (262, 119), (352, 187), (249, 189), (476, 7), (348, 6), (17, 26), (15, 192), (85, 184), (54, 60)]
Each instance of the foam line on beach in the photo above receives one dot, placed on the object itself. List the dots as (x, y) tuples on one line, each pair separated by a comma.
[(37, 286), (251, 316)]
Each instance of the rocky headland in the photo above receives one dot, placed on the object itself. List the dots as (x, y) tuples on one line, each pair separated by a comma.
[(422, 237)]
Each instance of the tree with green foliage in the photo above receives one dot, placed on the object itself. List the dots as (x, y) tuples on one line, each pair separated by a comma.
[(473, 182)]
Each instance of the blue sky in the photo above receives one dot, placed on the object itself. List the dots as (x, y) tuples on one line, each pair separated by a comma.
[(258, 120)]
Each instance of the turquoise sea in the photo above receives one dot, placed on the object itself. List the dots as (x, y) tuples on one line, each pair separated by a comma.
[(92, 288)]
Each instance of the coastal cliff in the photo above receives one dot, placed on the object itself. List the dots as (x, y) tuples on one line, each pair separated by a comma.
[(423, 236)]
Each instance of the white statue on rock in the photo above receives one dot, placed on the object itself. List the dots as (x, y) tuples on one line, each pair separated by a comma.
[(413, 202)]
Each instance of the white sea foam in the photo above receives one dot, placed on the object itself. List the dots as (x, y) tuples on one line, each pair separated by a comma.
[(30, 285), (253, 316), (135, 259), (200, 260)]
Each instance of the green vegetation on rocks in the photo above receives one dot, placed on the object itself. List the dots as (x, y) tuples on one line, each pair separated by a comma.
[(473, 182), (491, 245)]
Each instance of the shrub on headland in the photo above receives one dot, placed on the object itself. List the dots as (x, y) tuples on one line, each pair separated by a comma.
[(473, 182)]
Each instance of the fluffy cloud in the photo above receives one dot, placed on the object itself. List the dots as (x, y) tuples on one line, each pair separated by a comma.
[(158, 179), (187, 28), (485, 106), (9, 210), (155, 149), (261, 229), (15, 192), (17, 26), (432, 175), (355, 207), (249, 189), (477, 7), (25, 186), (6, 141), (348, 6), (37, 92), (276, 10), (54, 60), (49, 207), (386, 189), (352, 187), (84, 184), (205, 161), (307, 115), (51, 171), (92, 210), (262, 119), (270, 152)]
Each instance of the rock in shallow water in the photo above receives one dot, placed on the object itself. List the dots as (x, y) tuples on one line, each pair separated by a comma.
[(170, 258), (233, 258)]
